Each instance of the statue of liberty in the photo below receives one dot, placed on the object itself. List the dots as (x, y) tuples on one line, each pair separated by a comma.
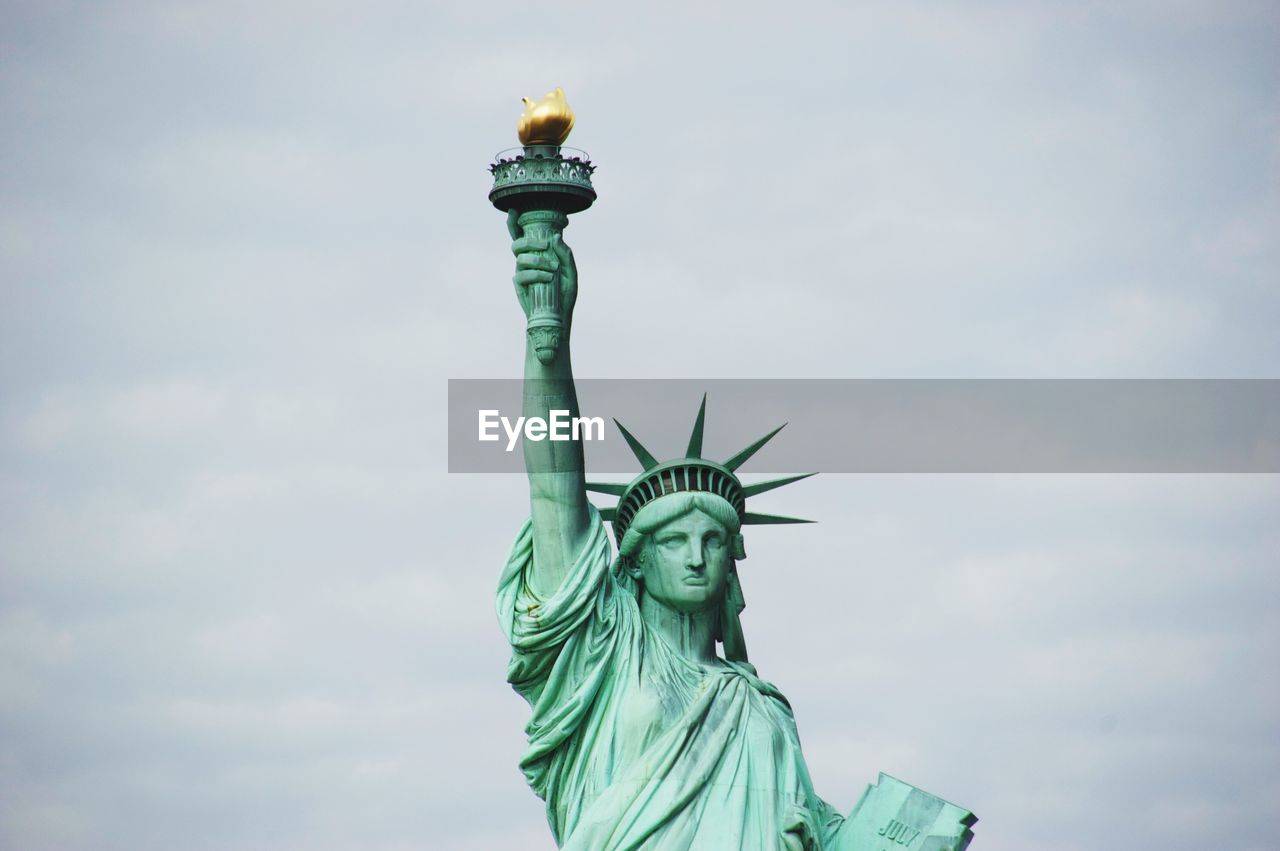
[(650, 729)]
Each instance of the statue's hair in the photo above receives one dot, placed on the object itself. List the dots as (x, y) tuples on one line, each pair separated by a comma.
[(663, 510)]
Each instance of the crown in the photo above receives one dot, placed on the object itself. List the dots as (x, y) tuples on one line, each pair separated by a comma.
[(690, 473)]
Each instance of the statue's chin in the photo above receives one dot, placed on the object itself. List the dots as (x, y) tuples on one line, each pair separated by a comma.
[(690, 602)]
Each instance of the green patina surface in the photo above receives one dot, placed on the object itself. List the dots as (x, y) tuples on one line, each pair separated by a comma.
[(650, 728)]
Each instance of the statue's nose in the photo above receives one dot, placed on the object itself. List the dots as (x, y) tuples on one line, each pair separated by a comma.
[(696, 562)]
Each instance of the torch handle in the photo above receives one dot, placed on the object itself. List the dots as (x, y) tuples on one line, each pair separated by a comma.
[(546, 318)]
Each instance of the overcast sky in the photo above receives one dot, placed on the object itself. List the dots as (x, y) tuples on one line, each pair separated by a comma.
[(243, 607)]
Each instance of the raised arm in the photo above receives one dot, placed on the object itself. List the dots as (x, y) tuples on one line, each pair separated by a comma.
[(555, 468)]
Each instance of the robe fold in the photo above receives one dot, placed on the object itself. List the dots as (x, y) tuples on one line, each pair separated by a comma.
[(631, 745)]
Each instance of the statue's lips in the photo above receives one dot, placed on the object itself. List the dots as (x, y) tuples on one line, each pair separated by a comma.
[(695, 580)]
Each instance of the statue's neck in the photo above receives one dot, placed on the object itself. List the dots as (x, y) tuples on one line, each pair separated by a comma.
[(691, 634)]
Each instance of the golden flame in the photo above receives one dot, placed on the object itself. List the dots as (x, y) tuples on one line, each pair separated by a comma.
[(546, 122)]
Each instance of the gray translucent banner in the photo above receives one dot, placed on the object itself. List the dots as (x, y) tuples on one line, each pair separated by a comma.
[(899, 426)]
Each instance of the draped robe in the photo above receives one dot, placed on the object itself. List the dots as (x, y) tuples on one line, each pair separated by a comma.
[(633, 746)]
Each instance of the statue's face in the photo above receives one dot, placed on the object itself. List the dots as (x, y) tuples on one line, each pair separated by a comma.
[(685, 563)]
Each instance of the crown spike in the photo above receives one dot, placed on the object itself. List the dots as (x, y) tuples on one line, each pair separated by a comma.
[(637, 449), (761, 487), (751, 519), (741, 458), (695, 439), (606, 487)]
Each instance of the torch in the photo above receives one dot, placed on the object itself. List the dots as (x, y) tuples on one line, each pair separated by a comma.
[(543, 182)]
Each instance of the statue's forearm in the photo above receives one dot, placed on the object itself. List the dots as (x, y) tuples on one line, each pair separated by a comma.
[(555, 468), (549, 387)]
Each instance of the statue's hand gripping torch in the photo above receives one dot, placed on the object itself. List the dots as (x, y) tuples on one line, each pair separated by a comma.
[(546, 278)]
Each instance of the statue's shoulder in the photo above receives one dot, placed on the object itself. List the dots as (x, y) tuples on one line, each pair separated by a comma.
[(748, 672)]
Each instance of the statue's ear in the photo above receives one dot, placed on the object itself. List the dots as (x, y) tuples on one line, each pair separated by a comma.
[(631, 566)]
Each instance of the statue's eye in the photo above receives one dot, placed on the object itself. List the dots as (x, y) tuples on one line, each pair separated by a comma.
[(714, 542), (671, 542)]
